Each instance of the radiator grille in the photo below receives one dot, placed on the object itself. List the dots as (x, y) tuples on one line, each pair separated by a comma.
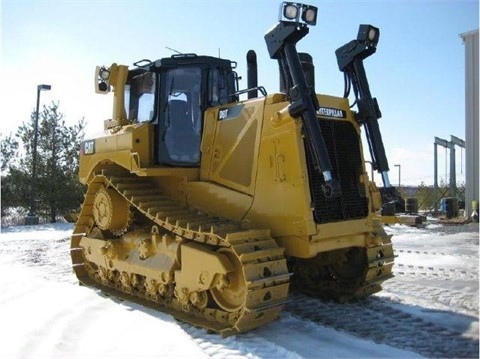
[(343, 145)]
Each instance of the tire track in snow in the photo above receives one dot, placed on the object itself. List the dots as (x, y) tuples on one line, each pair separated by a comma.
[(430, 272), (51, 258), (58, 338), (450, 299), (377, 319), (247, 345), (410, 251)]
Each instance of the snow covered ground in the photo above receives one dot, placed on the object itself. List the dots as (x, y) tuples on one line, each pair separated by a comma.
[(430, 309)]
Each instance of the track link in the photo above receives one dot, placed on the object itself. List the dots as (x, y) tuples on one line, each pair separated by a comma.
[(265, 274), (346, 274)]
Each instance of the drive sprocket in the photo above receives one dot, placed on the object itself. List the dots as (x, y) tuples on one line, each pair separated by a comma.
[(111, 211)]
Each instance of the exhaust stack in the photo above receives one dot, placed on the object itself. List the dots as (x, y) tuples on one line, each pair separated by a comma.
[(252, 74), (308, 68)]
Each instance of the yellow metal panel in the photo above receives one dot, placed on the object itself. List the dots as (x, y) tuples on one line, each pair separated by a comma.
[(88, 164), (330, 236), (342, 229), (231, 157), (208, 264), (282, 198), (300, 247), (208, 137), (218, 200), (131, 148)]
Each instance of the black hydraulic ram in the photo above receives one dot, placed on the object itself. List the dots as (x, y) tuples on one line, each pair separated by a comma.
[(281, 43), (350, 61)]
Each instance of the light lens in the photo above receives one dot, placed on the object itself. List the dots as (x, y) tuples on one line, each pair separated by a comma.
[(290, 11), (103, 87), (104, 74), (309, 15), (372, 34)]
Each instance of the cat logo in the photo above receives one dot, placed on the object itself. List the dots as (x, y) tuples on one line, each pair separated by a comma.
[(89, 147)]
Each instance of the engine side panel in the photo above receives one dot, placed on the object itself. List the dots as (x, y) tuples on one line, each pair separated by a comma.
[(230, 145), (282, 200)]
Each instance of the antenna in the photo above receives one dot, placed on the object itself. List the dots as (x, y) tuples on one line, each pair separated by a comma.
[(169, 48)]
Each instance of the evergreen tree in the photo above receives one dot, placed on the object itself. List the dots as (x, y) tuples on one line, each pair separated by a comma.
[(57, 190), (9, 152)]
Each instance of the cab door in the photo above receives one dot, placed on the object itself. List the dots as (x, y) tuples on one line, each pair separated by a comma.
[(180, 124)]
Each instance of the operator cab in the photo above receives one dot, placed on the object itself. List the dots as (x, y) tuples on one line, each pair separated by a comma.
[(173, 93)]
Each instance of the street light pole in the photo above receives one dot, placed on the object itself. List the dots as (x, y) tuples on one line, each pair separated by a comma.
[(32, 218), (399, 173)]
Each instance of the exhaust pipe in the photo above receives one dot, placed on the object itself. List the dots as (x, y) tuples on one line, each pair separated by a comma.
[(308, 68), (252, 77)]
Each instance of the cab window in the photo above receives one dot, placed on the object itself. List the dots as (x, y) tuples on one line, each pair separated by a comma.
[(183, 115), (140, 97)]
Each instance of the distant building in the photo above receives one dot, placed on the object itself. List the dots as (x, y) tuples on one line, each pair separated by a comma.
[(470, 39)]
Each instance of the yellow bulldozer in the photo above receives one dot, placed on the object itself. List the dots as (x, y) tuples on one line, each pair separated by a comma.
[(213, 208)]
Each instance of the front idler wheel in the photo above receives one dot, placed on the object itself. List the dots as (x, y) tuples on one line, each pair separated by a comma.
[(230, 293)]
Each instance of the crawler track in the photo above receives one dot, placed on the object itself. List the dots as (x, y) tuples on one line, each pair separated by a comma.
[(262, 262), (257, 257), (346, 274)]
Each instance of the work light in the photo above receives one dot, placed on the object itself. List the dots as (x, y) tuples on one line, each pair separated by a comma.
[(368, 33), (102, 74), (290, 11), (309, 14), (297, 12)]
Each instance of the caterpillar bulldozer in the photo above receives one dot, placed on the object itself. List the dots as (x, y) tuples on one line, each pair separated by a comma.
[(213, 208)]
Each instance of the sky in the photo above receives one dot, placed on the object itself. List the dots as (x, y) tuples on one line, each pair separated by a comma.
[(417, 73)]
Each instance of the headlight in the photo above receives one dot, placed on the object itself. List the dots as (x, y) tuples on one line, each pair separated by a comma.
[(103, 87), (290, 11), (104, 74), (369, 34), (297, 12), (309, 14)]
